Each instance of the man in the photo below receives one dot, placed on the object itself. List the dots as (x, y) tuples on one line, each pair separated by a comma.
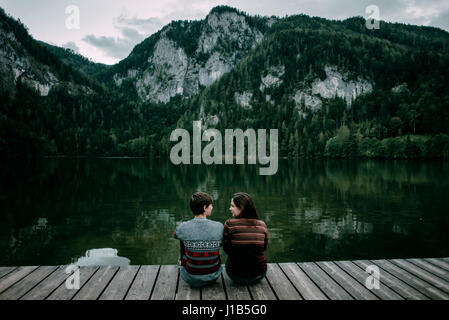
[(200, 243)]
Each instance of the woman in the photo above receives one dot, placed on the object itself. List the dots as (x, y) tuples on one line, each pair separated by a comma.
[(245, 238)]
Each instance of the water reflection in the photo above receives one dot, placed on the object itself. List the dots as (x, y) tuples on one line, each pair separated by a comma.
[(41, 224), (55, 209), (101, 257), (336, 228)]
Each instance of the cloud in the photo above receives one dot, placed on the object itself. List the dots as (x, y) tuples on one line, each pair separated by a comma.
[(133, 30), (441, 21), (116, 47), (71, 45), (132, 34), (147, 26)]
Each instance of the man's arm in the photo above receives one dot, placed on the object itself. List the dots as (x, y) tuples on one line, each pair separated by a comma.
[(181, 246), (182, 251)]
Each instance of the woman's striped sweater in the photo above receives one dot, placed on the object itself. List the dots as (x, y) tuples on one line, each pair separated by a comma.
[(245, 240)]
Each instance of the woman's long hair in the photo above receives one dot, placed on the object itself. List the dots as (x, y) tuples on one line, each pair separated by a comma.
[(244, 202)]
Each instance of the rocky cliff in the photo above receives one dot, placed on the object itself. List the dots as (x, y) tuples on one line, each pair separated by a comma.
[(220, 42), (21, 60)]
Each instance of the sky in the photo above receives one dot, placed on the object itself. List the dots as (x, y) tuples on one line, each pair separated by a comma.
[(106, 31)]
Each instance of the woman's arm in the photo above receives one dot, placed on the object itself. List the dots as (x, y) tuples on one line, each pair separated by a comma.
[(265, 241), (226, 238)]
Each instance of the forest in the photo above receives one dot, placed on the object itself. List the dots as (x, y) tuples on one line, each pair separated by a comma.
[(409, 122)]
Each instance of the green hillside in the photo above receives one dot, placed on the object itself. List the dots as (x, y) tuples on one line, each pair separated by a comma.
[(404, 115)]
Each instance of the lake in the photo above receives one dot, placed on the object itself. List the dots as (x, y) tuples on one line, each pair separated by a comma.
[(123, 211)]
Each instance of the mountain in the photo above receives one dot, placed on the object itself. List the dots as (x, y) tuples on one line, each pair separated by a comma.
[(24, 60), (185, 56), (76, 60), (332, 88)]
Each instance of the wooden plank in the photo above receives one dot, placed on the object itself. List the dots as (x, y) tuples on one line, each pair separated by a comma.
[(326, 283), (5, 270), (262, 291), (426, 276), (143, 284), (437, 271), (21, 287), (352, 286), (15, 276), (384, 292), (400, 278), (400, 287), (185, 292), (235, 291), (165, 287), (120, 284), (62, 293), (48, 285), (282, 287), (214, 291), (420, 285), (96, 284), (439, 263), (302, 283)]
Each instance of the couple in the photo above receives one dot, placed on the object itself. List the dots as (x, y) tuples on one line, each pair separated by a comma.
[(244, 238)]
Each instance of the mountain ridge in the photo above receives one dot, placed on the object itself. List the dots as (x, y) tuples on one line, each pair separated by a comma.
[(332, 87), (186, 55)]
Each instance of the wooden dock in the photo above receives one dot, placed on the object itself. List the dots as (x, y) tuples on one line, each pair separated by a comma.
[(400, 279)]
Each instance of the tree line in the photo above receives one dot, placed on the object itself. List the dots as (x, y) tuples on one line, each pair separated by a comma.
[(410, 122)]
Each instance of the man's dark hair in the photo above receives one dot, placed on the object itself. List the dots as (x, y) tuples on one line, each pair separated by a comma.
[(198, 201)]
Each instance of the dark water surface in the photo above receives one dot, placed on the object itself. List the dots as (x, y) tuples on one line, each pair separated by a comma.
[(59, 211)]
